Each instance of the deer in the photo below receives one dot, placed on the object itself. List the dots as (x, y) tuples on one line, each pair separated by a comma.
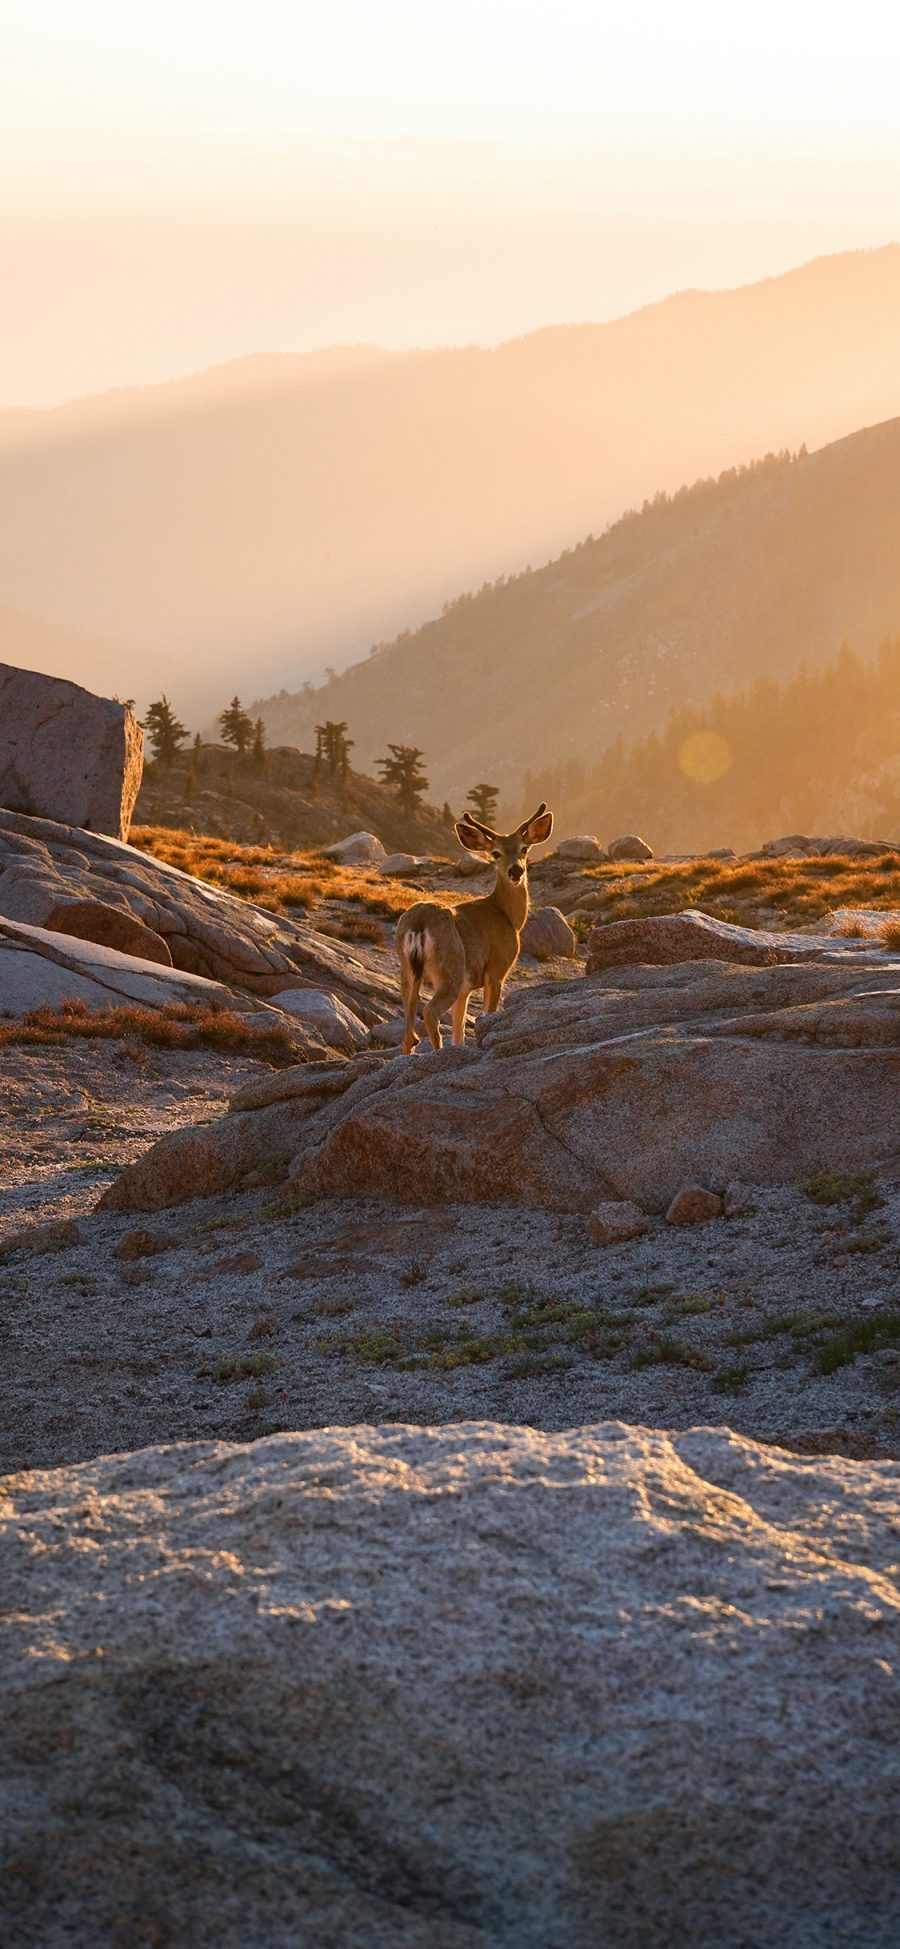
[(472, 945)]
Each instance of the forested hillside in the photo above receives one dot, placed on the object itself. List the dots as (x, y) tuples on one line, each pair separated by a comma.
[(755, 574), (820, 754)]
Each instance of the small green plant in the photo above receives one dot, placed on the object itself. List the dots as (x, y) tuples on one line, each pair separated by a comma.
[(840, 1349), (263, 1328), (335, 1306), (666, 1352), (731, 1380), (680, 1304), (651, 1293), (414, 1272), (238, 1367), (844, 1187), (524, 1366), (465, 1296)]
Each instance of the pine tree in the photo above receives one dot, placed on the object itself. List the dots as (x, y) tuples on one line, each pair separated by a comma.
[(165, 731), (402, 769), (483, 799), (258, 753), (237, 726)]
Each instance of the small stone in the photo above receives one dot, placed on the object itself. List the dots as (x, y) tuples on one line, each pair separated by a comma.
[(358, 849), (397, 864), (737, 1199), (53, 1237), (237, 1264), (616, 1222), (630, 846), (547, 934), (141, 1244), (692, 1205), (583, 845)]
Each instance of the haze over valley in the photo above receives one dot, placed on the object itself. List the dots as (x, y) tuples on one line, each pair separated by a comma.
[(247, 527)]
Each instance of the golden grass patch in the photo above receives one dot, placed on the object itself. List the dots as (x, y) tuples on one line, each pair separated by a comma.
[(177, 1025)]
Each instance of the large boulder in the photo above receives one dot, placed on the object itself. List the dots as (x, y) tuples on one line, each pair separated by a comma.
[(576, 1093), (448, 1688), (57, 878), (66, 754)]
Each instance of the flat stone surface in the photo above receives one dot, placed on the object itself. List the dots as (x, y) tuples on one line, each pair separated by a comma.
[(441, 1688), (66, 754)]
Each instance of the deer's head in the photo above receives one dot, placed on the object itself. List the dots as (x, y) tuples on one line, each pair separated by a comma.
[(509, 850)]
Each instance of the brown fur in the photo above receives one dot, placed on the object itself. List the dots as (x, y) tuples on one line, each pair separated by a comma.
[(474, 945)]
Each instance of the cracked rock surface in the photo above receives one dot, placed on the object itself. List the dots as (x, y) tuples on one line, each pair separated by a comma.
[(459, 1688), (66, 880)]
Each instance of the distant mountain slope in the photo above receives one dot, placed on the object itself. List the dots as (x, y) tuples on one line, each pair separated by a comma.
[(245, 527), (751, 575)]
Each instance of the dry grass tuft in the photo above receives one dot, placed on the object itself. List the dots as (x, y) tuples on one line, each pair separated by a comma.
[(763, 893), (177, 1025), (279, 881)]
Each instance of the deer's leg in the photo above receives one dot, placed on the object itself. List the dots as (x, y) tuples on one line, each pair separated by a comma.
[(443, 998), (493, 995), (409, 987), (458, 1015)]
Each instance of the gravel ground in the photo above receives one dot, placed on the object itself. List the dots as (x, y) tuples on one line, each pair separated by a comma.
[(241, 1318)]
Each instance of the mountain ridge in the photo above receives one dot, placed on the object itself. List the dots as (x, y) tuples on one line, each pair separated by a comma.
[(248, 541), (750, 575)]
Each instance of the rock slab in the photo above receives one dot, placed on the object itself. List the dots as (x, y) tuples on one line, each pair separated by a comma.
[(59, 878), (66, 754), (625, 1086), (443, 1689)]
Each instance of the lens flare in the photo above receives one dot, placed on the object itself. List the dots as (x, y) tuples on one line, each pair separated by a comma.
[(704, 757)]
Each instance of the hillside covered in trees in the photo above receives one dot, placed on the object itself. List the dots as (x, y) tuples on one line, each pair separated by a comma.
[(819, 754), (753, 575)]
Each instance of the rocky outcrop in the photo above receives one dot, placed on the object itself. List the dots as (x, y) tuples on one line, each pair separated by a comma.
[(66, 754), (439, 1689), (40, 969), (660, 939), (626, 1086), (81, 882)]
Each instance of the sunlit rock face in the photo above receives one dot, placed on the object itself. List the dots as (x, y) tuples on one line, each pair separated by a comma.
[(66, 754), (462, 1686), (83, 884)]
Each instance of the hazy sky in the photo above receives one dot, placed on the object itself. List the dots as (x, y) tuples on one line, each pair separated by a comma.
[(181, 183)]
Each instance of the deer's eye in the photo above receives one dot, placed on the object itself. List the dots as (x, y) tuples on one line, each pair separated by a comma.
[(495, 855)]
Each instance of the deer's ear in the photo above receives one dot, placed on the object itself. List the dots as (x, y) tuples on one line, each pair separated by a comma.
[(468, 836), (539, 829)]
